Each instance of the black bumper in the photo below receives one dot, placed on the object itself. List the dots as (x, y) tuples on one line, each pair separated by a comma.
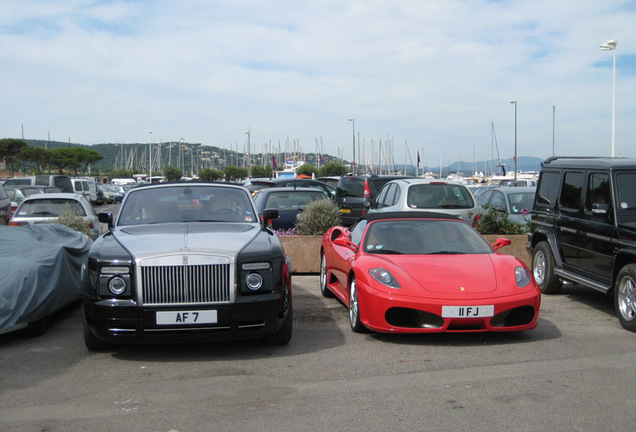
[(251, 317)]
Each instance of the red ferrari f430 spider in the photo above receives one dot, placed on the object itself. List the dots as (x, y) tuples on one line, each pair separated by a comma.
[(425, 273)]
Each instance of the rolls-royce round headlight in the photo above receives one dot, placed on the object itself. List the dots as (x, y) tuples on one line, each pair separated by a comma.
[(254, 281), (117, 285)]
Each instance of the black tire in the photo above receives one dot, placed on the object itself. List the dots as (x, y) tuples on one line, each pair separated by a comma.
[(625, 297), (543, 269), (92, 342), (283, 335), (354, 308), (37, 328), (324, 290)]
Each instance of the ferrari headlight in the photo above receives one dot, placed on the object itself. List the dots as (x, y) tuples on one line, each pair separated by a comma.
[(384, 277), (522, 276)]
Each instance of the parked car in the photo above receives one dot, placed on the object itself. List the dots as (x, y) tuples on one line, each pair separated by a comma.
[(583, 229), (41, 267), (20, 193), (288, 201), (45, 208), (515, 201), (63, 182), (355, 193), (5, 207), (420, 272), (519, 183), (258, 184), (81, 186), (187, 262), (106, 196), (441, 196)]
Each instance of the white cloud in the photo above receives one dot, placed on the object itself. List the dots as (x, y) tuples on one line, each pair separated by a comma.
[(434, 74)]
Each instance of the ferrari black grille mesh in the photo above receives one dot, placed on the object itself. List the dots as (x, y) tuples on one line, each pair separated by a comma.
[(186, 284)]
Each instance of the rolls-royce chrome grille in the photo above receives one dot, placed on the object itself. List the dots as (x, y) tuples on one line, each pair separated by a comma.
[(186, 284)]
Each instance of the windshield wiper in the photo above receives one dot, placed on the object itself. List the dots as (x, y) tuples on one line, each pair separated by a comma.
[(446, 253)]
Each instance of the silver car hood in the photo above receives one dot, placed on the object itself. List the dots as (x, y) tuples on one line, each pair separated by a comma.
[(218, 238)]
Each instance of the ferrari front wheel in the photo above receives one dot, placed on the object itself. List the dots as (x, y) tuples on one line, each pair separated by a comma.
[(354, 308), (324, 290), (625, 297)]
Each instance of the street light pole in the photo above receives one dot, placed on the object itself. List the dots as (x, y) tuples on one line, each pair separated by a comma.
[(515, 104), (611, 46), (150, 157), (353, 166)]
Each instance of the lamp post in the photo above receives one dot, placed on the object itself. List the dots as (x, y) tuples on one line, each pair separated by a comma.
[(611, 46), (353, 166), (150, 157), (515, 104)]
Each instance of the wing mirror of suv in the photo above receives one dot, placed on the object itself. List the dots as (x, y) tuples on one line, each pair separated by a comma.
[(600, 208), (106, 218)]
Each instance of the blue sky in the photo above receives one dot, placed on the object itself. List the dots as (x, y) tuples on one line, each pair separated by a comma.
[(423, 75)]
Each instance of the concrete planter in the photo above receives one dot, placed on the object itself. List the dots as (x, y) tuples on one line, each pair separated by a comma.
[(305, 250)]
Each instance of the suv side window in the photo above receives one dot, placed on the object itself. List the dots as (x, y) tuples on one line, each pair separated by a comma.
[(571, 191), (548, 188), (598, 198)]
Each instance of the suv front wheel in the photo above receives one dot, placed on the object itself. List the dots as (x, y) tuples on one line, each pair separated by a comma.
[(625, 297), (543, 269)]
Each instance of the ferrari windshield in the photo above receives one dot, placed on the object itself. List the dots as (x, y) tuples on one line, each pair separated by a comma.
[(423, 236), (186, 203)]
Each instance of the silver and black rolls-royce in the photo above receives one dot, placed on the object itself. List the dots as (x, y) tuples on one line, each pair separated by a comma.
[(185, 262)]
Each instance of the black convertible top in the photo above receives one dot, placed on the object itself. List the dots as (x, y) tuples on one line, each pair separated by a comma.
[(408, 215)]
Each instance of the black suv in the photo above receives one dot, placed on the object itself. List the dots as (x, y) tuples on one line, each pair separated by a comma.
[(355, 193), (583, 229)]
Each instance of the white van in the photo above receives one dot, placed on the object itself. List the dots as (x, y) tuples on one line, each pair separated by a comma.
[(92, 188)]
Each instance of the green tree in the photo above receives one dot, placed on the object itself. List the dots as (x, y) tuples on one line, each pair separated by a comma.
[(259, 171), (307, 169), (233, 173), (64, 159), (9, 149), (172, 173), (37, 155), (209, 174), (86, 156), (333, 169)]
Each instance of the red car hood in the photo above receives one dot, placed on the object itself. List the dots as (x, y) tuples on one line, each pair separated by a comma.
[(445, 273)]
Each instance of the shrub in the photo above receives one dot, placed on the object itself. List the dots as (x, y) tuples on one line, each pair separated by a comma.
[(318, 217), (497, 222), (73, 220)]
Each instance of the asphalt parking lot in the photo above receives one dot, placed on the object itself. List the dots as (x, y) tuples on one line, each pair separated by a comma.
[(575, 372)]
